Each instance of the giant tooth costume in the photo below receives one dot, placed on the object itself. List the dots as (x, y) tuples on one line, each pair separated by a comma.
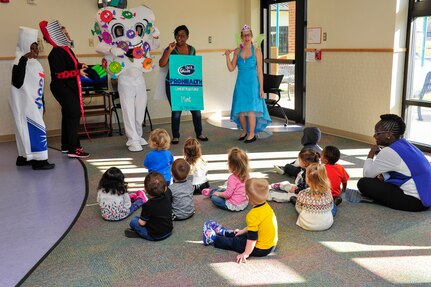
[(26, 100), (65, 83), (126, 38)]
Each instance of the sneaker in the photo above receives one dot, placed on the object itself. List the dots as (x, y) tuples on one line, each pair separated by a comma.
[(130, 233), (275, 186), (338, 200), (278, 169), (206, 191), (140, 194), (143, 141), (79, 153), (64, 151), (42, 165), (208, 234), (217, 227), (135, 147)]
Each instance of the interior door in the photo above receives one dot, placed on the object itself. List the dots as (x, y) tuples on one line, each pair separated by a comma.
[(284, 53)]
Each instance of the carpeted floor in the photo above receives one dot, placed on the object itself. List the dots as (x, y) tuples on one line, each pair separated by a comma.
[(368, 245)]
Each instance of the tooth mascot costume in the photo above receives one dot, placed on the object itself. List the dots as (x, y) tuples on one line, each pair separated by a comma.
[(126, 38), (26, 102), (65, 85)]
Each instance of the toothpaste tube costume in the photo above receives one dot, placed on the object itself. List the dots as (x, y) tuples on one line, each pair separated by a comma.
[(126, 38), (26, 102)]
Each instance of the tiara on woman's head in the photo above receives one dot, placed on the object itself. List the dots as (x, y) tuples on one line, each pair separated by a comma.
[(245, 28)]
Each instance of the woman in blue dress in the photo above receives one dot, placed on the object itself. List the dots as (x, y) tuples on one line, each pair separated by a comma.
[(249, 110)]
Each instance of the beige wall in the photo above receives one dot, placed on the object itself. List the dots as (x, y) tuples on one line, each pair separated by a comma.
[(219, 19), (347, 91)]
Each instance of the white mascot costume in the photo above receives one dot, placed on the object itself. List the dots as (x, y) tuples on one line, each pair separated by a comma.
[(26, 103), (126, 38)]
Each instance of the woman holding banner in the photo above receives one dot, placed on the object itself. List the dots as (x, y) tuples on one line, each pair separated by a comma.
[(180, 47), (249, 110)]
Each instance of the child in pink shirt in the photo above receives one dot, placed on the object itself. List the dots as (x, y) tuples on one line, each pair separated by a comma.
[(232, 198)]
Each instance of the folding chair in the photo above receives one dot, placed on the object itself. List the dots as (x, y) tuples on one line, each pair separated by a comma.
[(271, 85)]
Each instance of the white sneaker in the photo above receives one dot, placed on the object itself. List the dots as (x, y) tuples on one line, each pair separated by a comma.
[(135, 147), (143, 141), (278, 169)]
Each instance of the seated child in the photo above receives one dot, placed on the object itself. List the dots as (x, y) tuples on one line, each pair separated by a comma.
[(114, 201), (155, 222), (336, 173), (310, 139), (182, 191), (306, 157), (314, 204), (232, 198), (198, 167), (259, 238), (160, 158)]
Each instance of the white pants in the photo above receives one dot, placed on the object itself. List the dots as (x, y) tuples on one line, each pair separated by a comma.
[(133, 100)]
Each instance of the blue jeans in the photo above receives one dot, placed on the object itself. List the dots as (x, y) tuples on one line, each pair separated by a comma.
[(143, 231), (220, 202), (238, 243), (176, 117)]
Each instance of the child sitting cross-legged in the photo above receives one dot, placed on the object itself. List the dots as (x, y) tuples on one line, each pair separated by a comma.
[(155, 222), (233, 197), (182, 191), (198, 167), (336, 173), (114, 201), (314, 204), (259, 238), (285, 191)]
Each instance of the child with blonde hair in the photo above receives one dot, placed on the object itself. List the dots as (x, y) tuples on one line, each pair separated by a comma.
[(114, 201), (198, 167), (314, 204), (259, 238), (232, 198), (160, 158), (290, 190)]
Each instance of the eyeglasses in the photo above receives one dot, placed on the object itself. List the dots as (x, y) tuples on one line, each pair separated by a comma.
[(378, 133)]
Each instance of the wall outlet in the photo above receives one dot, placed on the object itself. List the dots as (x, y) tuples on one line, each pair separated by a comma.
[(91, 42), (210, 39), (325, 36)]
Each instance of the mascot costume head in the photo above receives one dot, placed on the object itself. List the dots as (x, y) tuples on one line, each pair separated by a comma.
[(130, 35)]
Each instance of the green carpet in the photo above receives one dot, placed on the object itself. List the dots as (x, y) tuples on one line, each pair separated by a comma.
[(368, 245)]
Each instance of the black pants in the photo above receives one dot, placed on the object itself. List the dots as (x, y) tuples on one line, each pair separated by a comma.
[(389, 195), (71, 115)]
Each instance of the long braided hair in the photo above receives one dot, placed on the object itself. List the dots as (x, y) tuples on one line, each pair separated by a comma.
[(393, 123)]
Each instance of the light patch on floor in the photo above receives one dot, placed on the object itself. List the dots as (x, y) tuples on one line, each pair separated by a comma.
[(343, 247), (399, 269), (256, 272)]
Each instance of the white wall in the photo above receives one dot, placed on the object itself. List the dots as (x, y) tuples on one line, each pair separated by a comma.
[(347, 91), (220, 19)]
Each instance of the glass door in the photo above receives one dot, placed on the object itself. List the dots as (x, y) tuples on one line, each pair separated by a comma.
[(417, 100), (283, 53)]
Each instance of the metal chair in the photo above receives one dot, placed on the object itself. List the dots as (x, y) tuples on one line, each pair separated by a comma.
[(425, 89), (115, 99), (271, 85)]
